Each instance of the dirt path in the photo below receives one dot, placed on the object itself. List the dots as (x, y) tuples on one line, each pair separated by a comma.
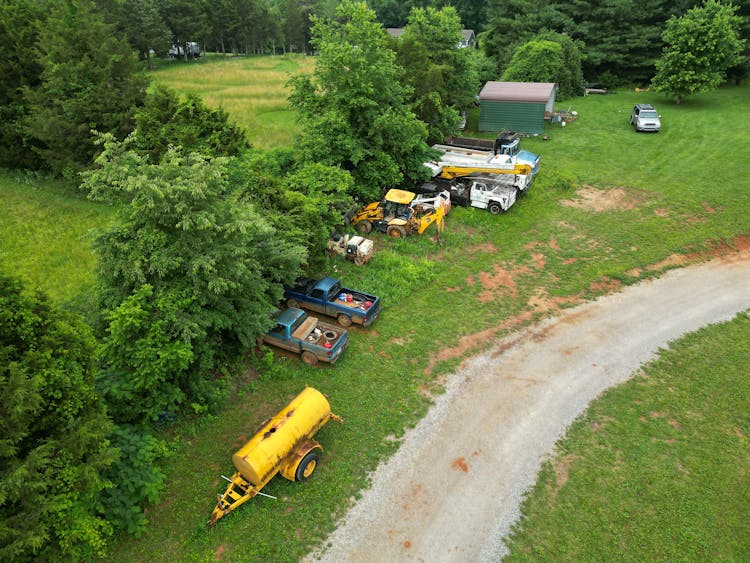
[(453, 489)]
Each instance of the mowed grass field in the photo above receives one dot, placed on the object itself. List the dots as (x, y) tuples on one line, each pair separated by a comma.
[(610, 207)]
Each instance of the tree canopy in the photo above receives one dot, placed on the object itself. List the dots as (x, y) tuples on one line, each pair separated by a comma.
[(444, 78), (699, 49), (89, 81), (549, 57), (187, 276), (53, 430), (167, 120), (354, 109)]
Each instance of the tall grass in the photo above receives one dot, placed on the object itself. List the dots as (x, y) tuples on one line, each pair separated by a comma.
[(251, 89)]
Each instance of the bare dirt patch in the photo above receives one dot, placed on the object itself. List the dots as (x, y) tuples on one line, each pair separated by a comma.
[(542, 302), (552, 244), (590, 198), (605, 285), (500, 282), (562, 470), (219, 554)]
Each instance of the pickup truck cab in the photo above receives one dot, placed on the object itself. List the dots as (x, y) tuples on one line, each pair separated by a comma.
[(329, 297), (301, 334)]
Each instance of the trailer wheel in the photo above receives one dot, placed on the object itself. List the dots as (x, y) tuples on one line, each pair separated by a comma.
[(396, 231), (495, 208), (309, 358), (306, 467), (364, 227), (344, 320), (292, 303)]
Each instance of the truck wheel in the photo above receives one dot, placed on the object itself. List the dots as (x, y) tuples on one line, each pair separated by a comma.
[(344, 320), (396, 232), (292, 303), (309, 358), (306, 467), (495, 208), (364, 227)]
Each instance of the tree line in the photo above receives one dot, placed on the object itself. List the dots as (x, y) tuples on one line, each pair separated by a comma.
[(208, 232)]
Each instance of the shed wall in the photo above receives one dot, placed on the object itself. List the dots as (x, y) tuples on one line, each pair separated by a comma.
[(525, 117)]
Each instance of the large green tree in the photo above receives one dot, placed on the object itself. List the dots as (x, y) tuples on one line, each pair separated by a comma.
[(187, 20), (305, 201), (535, 61), (354, 108), (699, 49), (89, 80), (53, 430), (20, 25), (166, 120), (145, 28), (512, 23), (444, 77), (188, 279), (395, 13), (622, 37), (549, 57)]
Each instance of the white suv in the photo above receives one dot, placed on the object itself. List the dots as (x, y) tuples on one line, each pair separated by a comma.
[(645, 118)]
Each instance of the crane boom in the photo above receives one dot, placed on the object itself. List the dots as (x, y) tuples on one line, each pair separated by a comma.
[(450, 171)]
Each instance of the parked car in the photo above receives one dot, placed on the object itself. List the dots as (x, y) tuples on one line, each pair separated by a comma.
[(645, 118)]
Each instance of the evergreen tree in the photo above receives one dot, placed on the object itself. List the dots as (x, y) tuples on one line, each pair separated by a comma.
[(20, 25), (53, 430), (89, 81), (166, 120)]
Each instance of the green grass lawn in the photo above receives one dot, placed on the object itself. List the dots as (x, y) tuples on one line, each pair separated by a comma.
[(657, 469), (46, 233), (648, 202)]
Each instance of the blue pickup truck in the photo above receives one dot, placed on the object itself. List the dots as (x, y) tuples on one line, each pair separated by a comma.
[(313, 340), (327, 296)]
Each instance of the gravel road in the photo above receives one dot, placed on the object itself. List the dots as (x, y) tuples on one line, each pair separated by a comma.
[(452, 491)]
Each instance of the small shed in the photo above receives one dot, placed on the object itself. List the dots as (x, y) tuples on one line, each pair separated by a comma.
[(517, 106)]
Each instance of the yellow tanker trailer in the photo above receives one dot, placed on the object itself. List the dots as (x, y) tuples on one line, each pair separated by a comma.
[(283, 445)]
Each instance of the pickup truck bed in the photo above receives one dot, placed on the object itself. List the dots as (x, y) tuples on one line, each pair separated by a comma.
[(314, 340)]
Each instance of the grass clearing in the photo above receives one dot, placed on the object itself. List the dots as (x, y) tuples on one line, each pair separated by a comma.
[(251, 89), (670, 198), (46, 234), (657, 469)]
